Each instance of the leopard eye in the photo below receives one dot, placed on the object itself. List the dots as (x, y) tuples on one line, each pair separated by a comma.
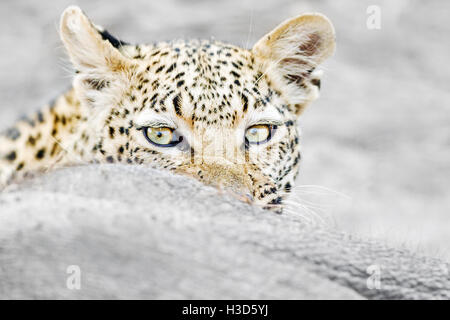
[(162, 137), (259, 134)]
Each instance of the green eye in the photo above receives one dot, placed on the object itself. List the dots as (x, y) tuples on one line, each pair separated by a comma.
[(162, 137), (259, 134)]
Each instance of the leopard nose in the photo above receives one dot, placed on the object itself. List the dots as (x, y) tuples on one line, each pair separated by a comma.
[(227, 177)]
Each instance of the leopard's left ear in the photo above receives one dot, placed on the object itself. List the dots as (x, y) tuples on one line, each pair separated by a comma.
[(87, 46), (101, 67), (293, 50)]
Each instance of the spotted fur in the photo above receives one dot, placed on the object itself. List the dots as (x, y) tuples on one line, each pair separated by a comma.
[(208, 90)]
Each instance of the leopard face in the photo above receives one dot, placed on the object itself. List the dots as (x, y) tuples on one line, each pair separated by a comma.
[(224, 115)]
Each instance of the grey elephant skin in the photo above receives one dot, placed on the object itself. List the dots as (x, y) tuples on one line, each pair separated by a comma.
[(134, 232)]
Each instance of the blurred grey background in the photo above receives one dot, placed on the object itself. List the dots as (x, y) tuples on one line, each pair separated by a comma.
[(378, 139)]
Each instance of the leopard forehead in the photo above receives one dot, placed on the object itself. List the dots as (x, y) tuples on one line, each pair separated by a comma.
[(202, 83)]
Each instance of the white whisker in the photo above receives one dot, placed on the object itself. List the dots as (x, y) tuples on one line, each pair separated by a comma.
[(322, 188)]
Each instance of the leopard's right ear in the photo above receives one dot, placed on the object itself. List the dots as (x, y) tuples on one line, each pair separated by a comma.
[(292, 52), (88, 50)]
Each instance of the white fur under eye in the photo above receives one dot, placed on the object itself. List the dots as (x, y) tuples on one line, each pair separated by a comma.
[(270, 115)]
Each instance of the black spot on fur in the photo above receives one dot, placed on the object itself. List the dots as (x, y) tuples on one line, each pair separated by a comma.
[(235, 74), (179, 75), (31, 140), (40, 154), (177, 105), (245, 103), (289, 123), (276, 201), (170, 69), (11, 156), (96, 84), (287, 187)]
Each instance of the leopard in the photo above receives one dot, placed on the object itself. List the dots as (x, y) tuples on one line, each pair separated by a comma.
[(225, 115)]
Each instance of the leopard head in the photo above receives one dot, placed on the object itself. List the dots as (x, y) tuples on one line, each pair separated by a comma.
[(222, 114)]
